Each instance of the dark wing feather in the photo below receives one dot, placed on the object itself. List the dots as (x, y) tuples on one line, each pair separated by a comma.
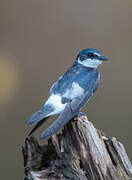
[(37, 126), (64, 117), (40, 114)]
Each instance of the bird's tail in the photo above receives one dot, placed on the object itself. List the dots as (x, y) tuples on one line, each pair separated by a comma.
[(44, 112), (37, 126), (64, 117)]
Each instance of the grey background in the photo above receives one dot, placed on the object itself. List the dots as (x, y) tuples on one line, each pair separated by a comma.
[(39, 40)]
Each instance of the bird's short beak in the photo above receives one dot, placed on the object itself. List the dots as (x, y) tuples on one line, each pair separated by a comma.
[(103, 58)]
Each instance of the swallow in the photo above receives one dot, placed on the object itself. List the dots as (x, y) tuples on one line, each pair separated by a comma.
[(70, 93)]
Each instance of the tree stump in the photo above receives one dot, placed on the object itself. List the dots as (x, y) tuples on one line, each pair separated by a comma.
[(80, 152)]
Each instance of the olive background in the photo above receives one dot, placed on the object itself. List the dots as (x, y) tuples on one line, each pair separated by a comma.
[(39, 41)]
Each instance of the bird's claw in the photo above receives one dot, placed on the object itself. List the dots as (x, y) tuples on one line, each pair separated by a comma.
[(80, 114)]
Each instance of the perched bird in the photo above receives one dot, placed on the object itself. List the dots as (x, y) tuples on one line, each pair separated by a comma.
[(71, 92)]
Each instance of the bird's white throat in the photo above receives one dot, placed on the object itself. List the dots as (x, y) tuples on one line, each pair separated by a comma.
[(93, 63)]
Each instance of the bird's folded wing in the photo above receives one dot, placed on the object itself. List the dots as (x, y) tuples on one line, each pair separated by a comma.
[(72, 108), (64, 117)]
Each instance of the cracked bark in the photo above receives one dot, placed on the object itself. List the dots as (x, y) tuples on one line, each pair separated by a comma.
[(80, 152)]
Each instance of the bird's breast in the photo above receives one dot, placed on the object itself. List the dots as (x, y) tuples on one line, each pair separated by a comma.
[(55, 100)]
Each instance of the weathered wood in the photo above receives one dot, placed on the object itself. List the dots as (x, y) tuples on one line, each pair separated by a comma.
[(81, 152)]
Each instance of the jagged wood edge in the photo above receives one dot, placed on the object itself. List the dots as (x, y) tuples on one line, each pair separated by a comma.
[(81, 152)]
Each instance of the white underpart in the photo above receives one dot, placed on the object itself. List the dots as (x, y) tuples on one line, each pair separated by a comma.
[(93, 63), (75, 91), (55, 100)]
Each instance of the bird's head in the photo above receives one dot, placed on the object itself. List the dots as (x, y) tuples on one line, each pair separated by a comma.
[(90, 58)]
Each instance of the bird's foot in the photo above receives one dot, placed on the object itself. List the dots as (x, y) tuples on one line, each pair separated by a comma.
[(80, 114)]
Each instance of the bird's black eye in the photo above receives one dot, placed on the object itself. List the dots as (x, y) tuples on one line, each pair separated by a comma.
[(91, 55), (83, 57)]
